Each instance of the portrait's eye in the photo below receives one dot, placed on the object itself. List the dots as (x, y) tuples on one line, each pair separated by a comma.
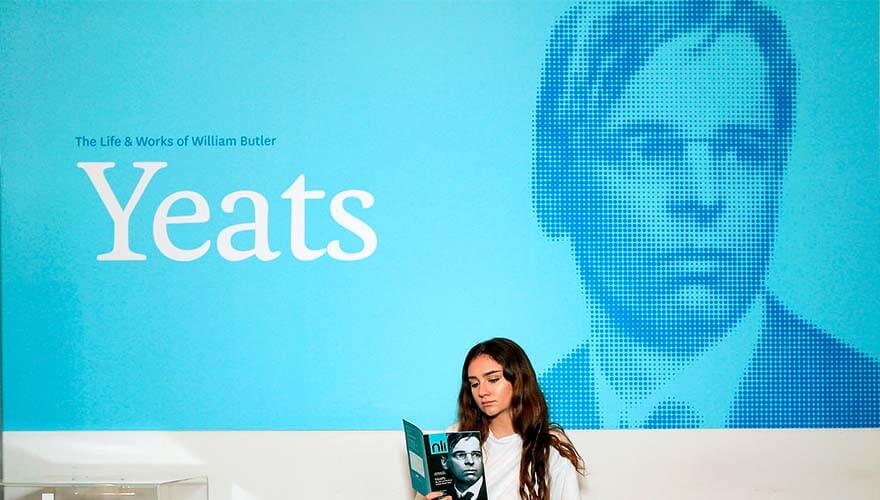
[(654, 144), (459, 455), (745, 145)]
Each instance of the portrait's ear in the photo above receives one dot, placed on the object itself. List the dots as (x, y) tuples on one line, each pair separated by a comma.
[(549, 199), (559, 214), (549, 174)]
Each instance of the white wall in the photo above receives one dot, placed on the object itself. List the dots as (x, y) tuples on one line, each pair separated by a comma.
[(656, 465)]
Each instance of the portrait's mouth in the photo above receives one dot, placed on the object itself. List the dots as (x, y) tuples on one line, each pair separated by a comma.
[(487, 403), (697, 262)]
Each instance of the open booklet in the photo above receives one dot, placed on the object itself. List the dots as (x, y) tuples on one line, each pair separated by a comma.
[(451, 462)]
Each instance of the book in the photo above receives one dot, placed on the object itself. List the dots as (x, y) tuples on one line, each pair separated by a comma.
[(445, 461)]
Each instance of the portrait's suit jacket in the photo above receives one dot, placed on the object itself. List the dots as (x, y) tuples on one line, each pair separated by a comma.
[(799, 376), (480, 496)]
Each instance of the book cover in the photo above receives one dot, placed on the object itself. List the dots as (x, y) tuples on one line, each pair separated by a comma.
[(451, 462)]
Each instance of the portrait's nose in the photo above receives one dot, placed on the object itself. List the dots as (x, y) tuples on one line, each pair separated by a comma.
[(469, 459), (483, 390), (697, 187)]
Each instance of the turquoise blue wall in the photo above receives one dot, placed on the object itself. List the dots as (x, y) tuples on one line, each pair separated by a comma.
[(428, 107)]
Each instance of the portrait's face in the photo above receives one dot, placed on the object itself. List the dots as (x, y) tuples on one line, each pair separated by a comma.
[(681, 215), (465, 462), (491, 391)]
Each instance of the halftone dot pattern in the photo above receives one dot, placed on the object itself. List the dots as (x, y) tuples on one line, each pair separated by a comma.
[(661, 135), (673, 415)]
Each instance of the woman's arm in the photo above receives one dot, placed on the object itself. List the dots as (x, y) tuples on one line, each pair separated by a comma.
[(564, 479)]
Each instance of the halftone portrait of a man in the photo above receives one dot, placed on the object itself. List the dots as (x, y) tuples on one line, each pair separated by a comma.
[(662, 135)]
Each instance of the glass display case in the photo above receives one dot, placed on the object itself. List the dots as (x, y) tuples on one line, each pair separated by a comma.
[(194, 488)]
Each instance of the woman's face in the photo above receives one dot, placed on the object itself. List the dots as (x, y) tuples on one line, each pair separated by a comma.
[(491, 391)]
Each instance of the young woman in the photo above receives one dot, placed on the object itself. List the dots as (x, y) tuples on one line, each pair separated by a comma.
[(525, 457)]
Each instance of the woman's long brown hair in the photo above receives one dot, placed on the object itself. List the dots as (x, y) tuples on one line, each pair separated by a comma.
[(528, 411)]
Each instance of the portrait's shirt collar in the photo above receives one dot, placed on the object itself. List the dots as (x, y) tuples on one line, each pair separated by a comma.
[(707, 383), (475, 489)]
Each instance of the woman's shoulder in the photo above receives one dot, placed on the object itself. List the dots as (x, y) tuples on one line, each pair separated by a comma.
[(559, 434), (557, 459)]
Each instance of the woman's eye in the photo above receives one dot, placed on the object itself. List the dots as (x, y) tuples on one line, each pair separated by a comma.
[(474, 386), (493, 380)]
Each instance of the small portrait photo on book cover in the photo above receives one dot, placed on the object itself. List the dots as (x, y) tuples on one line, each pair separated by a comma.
[(464, 463), (451, 462)]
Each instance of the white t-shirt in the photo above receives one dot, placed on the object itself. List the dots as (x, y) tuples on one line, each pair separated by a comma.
[(501, 460)]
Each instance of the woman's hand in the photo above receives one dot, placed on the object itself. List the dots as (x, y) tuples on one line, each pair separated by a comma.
[(437, 495)]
